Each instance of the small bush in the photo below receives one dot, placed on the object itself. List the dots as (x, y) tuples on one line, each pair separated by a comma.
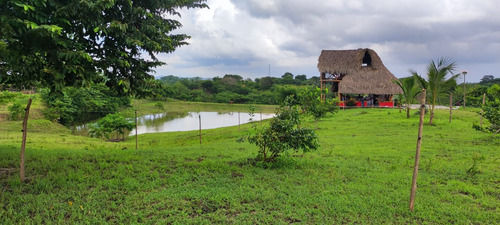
[(7, 96), (426, 111), (16, 111), (474, 169), (111, 124), (351, 102), (284, 133), (159, 106)]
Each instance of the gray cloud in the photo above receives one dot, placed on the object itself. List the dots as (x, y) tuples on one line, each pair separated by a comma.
[(245, 36)]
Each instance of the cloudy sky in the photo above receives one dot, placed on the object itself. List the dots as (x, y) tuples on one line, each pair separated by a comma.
[(246, 36)]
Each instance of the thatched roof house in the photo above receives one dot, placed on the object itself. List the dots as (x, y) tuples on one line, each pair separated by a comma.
[(358, 71)]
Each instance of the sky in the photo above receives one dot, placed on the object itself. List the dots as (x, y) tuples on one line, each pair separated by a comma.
[(257, 38)]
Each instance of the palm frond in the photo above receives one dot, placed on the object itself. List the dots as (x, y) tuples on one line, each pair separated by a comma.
[(420, 80)]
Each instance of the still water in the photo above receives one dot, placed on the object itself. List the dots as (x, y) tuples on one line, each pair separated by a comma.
[(184, 121), (190, 121)]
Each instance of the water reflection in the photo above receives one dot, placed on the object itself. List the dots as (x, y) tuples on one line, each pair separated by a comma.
[(189, 121), (182, 121), (81, 129)]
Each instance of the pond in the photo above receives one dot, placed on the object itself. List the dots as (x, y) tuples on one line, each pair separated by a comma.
[(183, 121)]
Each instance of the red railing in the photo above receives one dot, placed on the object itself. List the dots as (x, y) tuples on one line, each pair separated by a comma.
[(358, 104)]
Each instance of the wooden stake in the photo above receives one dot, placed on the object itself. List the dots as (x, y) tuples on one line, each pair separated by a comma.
[(451, 105), (482, 109), (135, 129), (323, 97), (399, 103), (23, 143), (199, 119), (464, 86), (417, 154), (261, 117)]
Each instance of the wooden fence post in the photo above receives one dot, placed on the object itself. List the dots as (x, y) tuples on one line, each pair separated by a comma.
[(451, 105), (199, 119), (135, 129), (482, 109), (261, 117), (417, 154), (23, 144)]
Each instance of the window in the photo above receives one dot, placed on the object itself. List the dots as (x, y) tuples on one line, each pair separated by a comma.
[(367, 60)]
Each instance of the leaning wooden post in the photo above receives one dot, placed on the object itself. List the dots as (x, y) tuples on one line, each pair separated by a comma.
[(482, 109), (199, 119), (23, 144), (451, 105), (135, 129), (417, 154)]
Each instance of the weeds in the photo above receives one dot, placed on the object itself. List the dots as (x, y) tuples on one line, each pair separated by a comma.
[(474, 169)]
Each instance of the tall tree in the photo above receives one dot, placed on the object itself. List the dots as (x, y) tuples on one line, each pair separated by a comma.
[(437, 83), (63, 43), (410, 92)]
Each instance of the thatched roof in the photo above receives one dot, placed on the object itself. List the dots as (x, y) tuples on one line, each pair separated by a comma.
[(374, 78)]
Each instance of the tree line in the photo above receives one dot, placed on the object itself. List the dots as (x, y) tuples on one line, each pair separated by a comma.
[(232, 88)]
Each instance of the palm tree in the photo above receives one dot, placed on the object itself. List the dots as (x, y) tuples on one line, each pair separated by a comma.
[(410, 92), (436, 83)]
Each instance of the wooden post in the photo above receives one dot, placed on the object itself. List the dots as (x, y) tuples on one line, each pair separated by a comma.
[(340, 101), (23, 143), (399, 103), (464, 73), (482, 109), (417, 154), (451, 105), (261, 117), (199, 119), (135, 129), (321, 86)]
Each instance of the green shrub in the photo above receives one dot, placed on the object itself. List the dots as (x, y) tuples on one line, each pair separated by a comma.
[(311, 103), (159, 106), (16, 111), (7, 96), (351, 102), (111, 124), (283, 133), (82, 104), (492, 110), (418, 111), (492, 114)]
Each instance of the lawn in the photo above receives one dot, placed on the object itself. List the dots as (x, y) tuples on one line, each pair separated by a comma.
[(361, 174)]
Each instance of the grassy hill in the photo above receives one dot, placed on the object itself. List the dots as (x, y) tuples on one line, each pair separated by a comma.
[(361, 174)]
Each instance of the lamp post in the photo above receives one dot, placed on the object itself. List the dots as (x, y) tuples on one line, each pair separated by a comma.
[(464, 73)]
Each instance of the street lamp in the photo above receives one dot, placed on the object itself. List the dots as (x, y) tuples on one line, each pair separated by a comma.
[(464, 73)]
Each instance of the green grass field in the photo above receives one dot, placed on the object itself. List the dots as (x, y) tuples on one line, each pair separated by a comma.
[(361, 174)]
